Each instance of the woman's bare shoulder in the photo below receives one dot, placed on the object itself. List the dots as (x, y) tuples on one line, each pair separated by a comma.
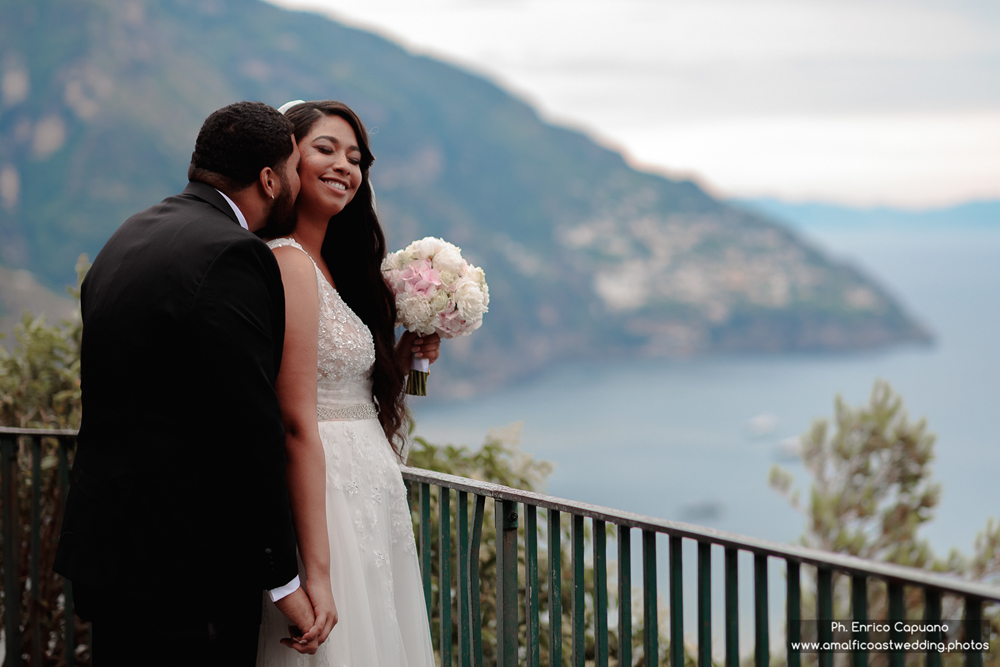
[(294, 259)]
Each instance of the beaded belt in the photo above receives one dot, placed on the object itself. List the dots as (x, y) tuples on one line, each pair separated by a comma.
[(351, 412)]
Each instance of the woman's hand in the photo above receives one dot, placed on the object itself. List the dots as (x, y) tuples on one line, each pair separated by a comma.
[(324, 609), (411, 346)]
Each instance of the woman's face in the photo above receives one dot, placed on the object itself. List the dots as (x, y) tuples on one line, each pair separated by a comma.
[(330, 170)]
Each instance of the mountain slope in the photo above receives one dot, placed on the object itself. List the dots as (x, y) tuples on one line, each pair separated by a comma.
[(585, 256)]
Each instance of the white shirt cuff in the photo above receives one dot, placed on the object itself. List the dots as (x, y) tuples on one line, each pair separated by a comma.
[(284, 591)]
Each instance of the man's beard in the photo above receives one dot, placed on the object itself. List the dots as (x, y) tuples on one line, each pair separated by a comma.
[(282, 217)]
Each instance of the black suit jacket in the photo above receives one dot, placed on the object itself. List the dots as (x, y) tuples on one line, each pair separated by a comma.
[(178, 498)]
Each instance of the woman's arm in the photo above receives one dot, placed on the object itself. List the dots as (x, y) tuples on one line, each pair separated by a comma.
[(306, 470)]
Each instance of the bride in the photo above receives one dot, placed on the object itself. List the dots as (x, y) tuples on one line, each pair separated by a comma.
[(341, 393)]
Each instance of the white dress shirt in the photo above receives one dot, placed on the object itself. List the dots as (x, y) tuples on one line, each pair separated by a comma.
[(236, 210)]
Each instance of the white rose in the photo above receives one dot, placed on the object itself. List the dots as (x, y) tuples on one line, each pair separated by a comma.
[(470, 300), (439, 301), (449, 258), (426, 247), (447, 277), (414, 313), (476, 274), (390, 263)]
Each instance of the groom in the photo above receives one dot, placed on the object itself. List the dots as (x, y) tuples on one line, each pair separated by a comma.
[(178, 514)]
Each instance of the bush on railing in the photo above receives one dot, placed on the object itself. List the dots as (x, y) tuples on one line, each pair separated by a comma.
[(40, 388), (500, 461), (872, 490), (40, 376)]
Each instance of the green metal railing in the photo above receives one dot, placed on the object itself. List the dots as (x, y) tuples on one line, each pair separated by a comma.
[(38, 443), (509, 651), (516, 643)]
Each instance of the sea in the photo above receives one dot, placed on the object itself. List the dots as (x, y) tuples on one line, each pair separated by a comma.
[(694, 440)]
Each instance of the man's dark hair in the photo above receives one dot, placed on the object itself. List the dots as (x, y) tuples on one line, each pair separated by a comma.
[(236, 142)]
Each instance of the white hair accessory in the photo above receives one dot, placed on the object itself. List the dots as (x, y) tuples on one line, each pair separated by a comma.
[(288, 105)]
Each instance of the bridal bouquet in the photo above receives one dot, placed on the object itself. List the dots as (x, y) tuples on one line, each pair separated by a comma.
[(436, 291)]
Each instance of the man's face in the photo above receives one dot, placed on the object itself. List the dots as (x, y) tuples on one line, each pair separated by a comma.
[(282, 214), (292, 170)]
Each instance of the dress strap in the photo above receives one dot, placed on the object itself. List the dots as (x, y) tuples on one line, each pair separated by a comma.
[(283, 241), (287, 241)]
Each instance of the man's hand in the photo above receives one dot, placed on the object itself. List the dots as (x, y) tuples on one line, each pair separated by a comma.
[(298, 609)]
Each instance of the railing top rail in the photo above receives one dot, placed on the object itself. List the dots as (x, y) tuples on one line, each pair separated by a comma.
[(815, 557), (12, 430), (826, 559)]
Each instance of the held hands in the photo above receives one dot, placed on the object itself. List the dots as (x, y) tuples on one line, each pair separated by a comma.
[(411, 346), (299, 611), (324, 608), (315, 611)]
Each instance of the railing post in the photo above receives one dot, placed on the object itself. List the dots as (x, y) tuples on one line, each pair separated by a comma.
[(444, 571), (973, 630), (576, 598), (704, 604), (600, 594), (476, 617), (676, 603), (69, 636), (555, 588), (36, 550), (464, 613), (425, 542), (793, 614), (897, 612), (732, 607), (624, 596), (762, 647), (506, 520), (932, 615), (650, 623), (859, 612), (11, 539), (824, 613), (531, 583)]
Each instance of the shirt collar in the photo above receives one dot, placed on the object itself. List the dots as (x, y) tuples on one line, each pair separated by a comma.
[(236, 210)]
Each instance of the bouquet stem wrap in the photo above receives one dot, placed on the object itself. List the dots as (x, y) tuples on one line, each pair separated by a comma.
[(416, 383)]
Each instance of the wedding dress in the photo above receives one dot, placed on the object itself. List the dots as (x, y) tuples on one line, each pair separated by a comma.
[(373, 558)]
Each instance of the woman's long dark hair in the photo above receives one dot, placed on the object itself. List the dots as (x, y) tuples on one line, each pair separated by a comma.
[(353, 250)]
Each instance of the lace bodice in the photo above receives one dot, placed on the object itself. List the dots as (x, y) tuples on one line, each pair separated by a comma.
[(346, 349)]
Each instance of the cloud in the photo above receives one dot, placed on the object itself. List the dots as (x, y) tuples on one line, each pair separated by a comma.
[(908, 160), (902, 94)]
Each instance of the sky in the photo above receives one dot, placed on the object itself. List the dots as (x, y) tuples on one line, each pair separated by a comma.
[(857, 102)]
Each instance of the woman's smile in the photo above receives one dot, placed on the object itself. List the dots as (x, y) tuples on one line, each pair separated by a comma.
[(336, 184)]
